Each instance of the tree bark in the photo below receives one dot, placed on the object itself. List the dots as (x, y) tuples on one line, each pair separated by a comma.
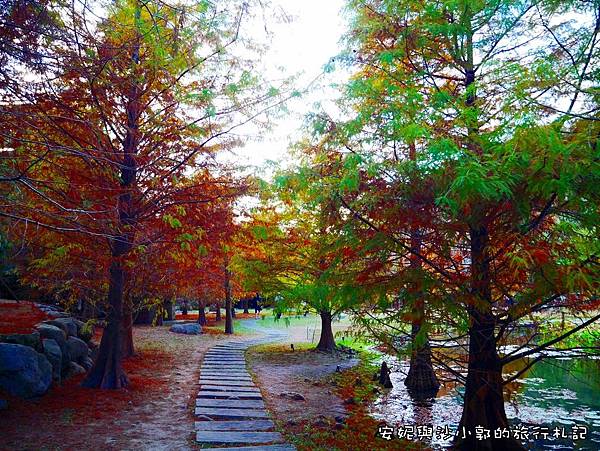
[(169, 309), (421, 379), (107, 371), (245, 304), (228, 303), (127, 349), (326, 342), (218, 312), (201, 313), (483, 399)]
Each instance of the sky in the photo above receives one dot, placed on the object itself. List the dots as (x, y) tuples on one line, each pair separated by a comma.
[(305, 36)]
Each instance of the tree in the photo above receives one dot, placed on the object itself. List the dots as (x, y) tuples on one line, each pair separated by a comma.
[(145, 98), (505, 168), (291, 254)]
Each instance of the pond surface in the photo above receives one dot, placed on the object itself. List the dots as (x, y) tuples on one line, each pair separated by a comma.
[(555, 393)]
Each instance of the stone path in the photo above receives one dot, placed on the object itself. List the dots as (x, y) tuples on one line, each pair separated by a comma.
[(229, 407)]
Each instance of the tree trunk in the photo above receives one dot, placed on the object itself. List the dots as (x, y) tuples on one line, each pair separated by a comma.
[(421, 379), (326, 342), (245, 304), (483, 399), (218, 312), (228, 303), (127, 349), (201, 313), (168, 305), (107, 371)]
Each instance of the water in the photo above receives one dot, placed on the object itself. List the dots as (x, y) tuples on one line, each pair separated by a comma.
[(555, 393)]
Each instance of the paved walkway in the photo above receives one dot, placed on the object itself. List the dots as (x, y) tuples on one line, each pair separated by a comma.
[(229, 407)]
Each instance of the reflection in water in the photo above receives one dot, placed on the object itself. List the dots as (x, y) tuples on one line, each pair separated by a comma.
[(554, 393)]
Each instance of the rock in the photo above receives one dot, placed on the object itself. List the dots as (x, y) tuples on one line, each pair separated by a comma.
[(53, 332), (32, 340), (293, 395), (75, 369), (58, 335), (188, 329), (23, 371), (87, 363), (78, 324), (54, 355), (55, 314), (78, 349), (3, 404), (66, 324)]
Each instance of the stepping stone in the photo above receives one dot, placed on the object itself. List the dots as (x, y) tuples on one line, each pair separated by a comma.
[(207, 377), (224, 360), (227, 383), (231, 413), (248, 425), (237, 437), (228, 394), (234, 376), (231, 403), (229, 388), (224, 372), (281, 447), (224, 363)]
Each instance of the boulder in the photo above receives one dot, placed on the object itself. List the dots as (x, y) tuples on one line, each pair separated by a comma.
[(54, 355), (53, 332), (23, 371), (78, 350), (55, 314), (32, 340), (66, 324), (188, 329), (75, 369), (87, 363), (55, 323), (58, 335)]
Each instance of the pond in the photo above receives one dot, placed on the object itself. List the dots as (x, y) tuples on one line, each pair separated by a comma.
[(555, 393)]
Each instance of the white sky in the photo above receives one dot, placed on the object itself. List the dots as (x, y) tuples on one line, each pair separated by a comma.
[(300, 46)]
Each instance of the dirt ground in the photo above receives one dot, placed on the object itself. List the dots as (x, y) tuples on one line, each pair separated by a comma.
[(279, 371), (154, 413)]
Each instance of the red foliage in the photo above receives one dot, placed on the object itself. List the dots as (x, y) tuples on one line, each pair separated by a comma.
[(19, 317), (83, 404)]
